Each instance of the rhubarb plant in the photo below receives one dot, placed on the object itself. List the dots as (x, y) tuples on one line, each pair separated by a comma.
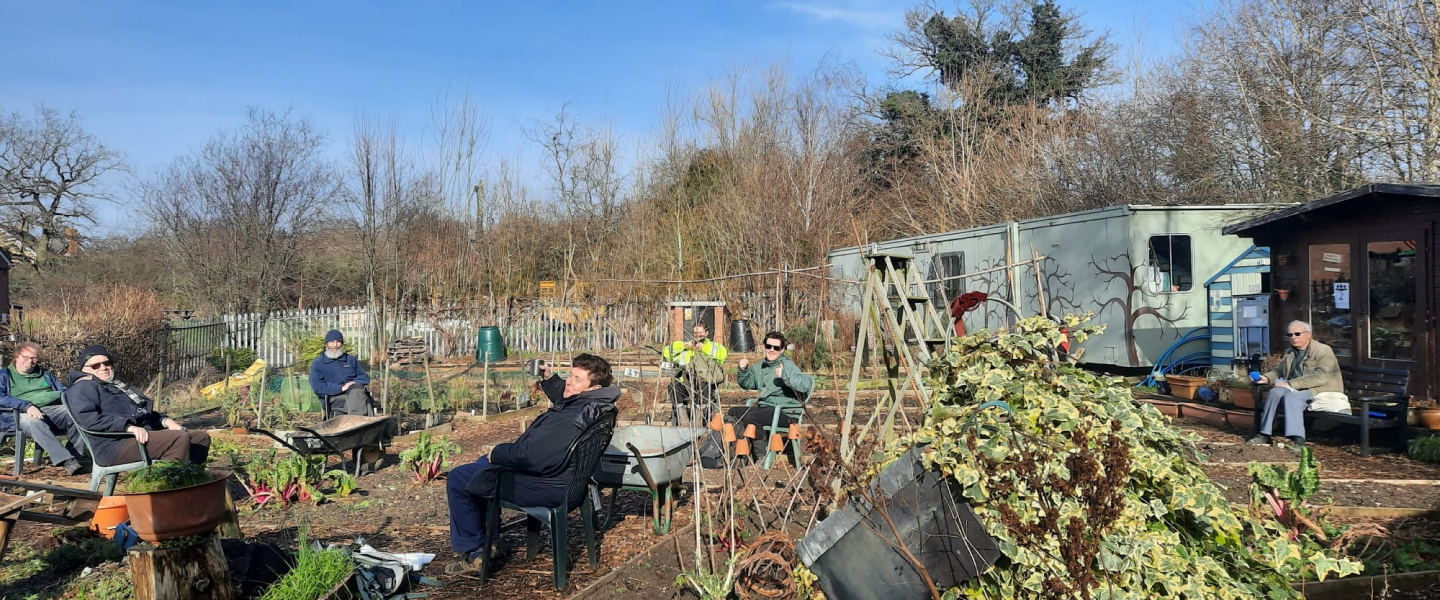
[(428, 457)]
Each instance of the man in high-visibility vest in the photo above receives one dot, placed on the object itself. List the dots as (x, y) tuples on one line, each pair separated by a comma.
[(691, 383)]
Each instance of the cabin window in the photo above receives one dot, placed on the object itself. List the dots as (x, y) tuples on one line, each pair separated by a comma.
[(945, 265), (1172, 257)]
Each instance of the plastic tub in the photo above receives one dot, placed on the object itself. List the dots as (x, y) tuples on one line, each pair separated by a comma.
[(665, 450)]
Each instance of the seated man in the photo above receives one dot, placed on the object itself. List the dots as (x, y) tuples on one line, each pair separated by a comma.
[(34, 390), (100, 402), (339, 379), (774, 377), (537, 456), (691, 383), (1308, 369)]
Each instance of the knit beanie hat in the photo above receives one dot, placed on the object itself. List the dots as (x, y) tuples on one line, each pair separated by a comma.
[(91, 352), (334, 336)]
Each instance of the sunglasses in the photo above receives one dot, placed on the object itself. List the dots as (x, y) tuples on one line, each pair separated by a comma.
[(770, 347), (103, 363), (1296, 334)]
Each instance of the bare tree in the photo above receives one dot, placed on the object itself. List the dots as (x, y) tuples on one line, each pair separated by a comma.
[(50, 170), (234, 214)]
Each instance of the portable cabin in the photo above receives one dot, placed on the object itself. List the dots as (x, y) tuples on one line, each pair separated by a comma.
[(1141, 269)]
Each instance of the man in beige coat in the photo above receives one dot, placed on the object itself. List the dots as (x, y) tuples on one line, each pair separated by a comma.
[(1307, 370)]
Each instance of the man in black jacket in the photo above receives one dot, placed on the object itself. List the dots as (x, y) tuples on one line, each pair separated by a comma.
[(100, 402), (537, 457)]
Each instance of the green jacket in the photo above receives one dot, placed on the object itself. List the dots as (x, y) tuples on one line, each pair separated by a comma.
[(761, 377), (1319, 371)]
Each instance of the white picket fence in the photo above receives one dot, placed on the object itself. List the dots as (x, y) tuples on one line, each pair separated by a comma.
[(531, 327), (525, 326)]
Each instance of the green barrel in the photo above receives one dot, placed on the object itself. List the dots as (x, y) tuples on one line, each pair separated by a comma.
[(489, 347)]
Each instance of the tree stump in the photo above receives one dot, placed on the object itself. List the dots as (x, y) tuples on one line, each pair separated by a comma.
[(196, 572)]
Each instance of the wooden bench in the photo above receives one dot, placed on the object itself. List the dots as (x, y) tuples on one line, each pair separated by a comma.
[(1385, 391)]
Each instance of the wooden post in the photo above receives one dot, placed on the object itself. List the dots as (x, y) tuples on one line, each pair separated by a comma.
[(185, 573), (230, 527), (430, 384), (1039, 281), (485, 395)]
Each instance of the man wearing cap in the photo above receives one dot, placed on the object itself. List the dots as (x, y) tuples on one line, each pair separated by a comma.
[(35, 391), (339, 380), (101, 402)]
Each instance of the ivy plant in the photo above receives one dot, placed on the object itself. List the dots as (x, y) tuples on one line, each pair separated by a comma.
[(1089, 493)]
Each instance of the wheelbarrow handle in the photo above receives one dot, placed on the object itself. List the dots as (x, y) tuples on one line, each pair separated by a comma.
[(276, 438), (323, 441), (644, 470)]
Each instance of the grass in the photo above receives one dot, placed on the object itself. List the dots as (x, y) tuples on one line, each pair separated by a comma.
[(316, 572), (41, 575)]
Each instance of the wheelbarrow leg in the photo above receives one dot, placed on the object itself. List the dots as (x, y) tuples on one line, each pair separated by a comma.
[(669, 506), (609, 512)]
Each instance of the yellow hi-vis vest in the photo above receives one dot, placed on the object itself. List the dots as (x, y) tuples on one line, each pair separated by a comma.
[(677, 353)]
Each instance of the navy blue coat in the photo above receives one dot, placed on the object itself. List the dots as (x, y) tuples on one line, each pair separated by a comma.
[(542, 476), (98, 406), (328, 374), (7, 418)]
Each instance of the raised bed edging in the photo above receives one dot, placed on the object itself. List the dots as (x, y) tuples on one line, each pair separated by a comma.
[(1360, 587)]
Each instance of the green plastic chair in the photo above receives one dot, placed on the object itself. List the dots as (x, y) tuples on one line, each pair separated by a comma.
[(795, 410), (20, 442), (109, 473), (582, 457)]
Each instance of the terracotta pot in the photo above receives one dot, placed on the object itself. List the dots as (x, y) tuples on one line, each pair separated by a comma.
[(160, 516), (1184, 386), (1243, 420), (1243, 397), (108, 514), (1205, 414), (1429, 417), (1166, 407)]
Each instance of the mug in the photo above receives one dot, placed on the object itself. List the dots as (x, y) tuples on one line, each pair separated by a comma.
[(1255, 376), (533, 365)]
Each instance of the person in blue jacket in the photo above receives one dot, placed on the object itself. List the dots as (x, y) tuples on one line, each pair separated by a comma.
[(537, 456), (33, 389), (339, 379)]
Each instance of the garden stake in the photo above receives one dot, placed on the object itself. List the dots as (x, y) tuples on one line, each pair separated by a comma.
[(485, 397), (429, 384)]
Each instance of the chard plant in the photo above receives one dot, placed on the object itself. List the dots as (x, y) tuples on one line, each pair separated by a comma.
[(428, 457), (294, 478)]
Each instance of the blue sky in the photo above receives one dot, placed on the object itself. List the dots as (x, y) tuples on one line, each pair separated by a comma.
[(157, 79)]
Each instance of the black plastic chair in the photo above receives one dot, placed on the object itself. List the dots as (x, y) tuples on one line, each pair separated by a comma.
[(110, 473), (582, 457), (19, 435)]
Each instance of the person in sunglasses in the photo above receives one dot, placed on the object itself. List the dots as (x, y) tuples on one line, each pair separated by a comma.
[(775, 377), (101, 402), (1308, 373)]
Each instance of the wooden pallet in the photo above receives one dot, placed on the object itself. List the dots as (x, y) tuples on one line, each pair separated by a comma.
[(408, 351)]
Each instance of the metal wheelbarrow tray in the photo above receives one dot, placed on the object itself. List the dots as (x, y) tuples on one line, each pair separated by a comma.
[(649, 458), (336, 435)]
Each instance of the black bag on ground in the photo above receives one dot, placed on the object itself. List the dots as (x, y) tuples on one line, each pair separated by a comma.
[(712, 451)]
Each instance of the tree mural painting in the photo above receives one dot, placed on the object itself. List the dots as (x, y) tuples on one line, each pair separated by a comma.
[(1120, 268), (994, 284), (1059, 289)]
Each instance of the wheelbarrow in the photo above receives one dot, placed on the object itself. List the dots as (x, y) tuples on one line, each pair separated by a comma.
[(647, 458), (336, 435)]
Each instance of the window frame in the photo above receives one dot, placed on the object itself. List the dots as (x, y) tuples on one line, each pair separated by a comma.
[(1152, 258)]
